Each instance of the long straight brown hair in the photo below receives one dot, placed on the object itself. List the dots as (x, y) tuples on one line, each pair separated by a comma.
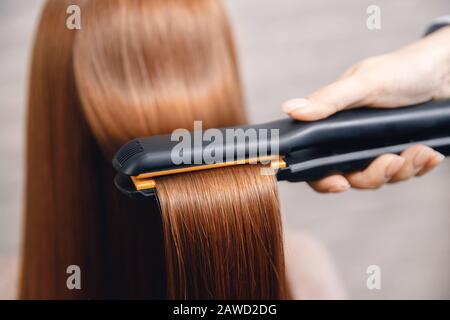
[(139, 68), (223, 235)]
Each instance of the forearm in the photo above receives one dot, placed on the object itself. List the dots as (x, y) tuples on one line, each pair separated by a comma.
[(437, 45), (441, 41)]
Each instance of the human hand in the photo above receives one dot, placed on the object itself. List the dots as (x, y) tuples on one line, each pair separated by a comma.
[(413, 74)]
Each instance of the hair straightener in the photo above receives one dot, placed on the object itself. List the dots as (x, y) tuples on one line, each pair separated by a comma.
[(345, 142)]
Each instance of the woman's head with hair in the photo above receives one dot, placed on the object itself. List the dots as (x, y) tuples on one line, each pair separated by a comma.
[(136, 68), (148, 67)]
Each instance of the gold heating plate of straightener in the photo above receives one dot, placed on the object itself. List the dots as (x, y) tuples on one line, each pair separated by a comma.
[(146, 181)]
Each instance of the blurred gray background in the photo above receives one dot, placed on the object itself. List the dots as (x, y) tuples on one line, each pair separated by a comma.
[(287, 49)]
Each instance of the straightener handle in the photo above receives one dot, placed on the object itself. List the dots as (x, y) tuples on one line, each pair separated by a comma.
[(315, 163)]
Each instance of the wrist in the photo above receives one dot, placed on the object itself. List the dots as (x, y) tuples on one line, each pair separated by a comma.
[(444, 37), (437, 49)]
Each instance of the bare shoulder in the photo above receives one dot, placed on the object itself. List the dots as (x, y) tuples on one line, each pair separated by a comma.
[(9, 266), (311, 272)]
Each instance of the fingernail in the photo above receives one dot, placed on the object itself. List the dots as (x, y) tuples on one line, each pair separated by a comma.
[(439, 157), (294, 104), (393, 167), (421, 158), (339, 188)]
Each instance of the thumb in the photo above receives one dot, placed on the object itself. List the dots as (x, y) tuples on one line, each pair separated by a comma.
[(343, 94)]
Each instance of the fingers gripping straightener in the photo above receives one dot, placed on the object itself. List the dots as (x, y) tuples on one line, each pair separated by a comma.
[(345, 142)]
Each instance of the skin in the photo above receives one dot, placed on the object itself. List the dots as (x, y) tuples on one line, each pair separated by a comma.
[(310, 270), (413, 74), (8, 277)]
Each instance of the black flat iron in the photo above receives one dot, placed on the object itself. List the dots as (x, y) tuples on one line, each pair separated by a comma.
[(304, 151)]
